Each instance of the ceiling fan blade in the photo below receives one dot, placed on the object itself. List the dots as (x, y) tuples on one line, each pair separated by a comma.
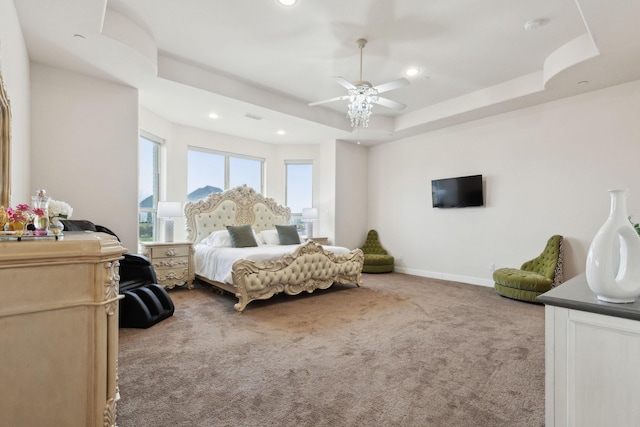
[(341, 81), (394, 84), (339, 98), (390, 104)]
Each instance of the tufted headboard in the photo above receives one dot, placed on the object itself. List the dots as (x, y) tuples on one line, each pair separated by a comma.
[(238, 206)]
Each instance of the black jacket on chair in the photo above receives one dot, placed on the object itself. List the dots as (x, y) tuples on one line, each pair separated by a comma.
[(145, 302)]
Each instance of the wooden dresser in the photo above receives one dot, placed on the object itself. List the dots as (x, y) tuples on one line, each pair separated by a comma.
[(59, 330)]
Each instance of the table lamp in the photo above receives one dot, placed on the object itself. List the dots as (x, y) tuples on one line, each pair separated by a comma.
[(308, 216), (167, 211)]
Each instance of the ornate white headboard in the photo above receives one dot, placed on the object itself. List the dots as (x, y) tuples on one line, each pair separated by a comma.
[(238, 206)]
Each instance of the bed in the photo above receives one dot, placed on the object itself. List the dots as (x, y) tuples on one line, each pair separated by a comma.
[(256, 273)]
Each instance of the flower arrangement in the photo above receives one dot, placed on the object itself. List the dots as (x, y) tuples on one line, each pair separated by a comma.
[(59, 209), (21, 213)]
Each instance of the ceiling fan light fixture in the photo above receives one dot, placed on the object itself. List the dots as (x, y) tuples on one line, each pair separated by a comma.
[(362, 95), (361, 99)]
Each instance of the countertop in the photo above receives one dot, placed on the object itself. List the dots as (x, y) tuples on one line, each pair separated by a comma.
[(576, 294)]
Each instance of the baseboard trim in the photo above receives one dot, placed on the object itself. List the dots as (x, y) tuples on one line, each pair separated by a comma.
[(444, 276)]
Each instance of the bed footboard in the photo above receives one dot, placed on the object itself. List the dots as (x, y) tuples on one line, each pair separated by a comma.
[(309, 268)]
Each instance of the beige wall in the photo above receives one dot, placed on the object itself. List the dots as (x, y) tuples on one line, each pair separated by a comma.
[(84, 147), (546, 169)]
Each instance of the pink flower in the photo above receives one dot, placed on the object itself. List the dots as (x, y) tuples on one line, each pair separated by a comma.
[(16, 215)]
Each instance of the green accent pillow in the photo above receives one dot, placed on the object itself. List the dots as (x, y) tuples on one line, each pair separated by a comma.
[(288, 234), (242, 236)]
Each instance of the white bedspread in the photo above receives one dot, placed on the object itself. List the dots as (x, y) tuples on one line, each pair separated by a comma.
[(215, 263)]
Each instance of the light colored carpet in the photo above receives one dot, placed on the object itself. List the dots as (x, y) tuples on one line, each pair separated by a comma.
[(400, 351)]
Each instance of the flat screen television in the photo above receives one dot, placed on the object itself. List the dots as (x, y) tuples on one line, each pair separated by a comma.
[(461, 192)]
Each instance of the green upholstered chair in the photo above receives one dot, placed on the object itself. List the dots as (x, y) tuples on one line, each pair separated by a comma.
[(534, 277), (376, 258)]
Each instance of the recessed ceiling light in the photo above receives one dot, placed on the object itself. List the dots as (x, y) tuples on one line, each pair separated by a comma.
[(213, 116), (281, 132), (287, 2), (413, 71)]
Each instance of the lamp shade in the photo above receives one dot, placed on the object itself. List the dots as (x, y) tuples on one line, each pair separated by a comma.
[(169, 209), (310, 213)]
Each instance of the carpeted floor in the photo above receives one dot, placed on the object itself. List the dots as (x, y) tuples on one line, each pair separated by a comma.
[(400, 351)]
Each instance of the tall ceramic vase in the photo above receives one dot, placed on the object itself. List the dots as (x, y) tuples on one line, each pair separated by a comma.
[(613, 261)]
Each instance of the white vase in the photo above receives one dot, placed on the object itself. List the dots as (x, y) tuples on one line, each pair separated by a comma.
[(55, 225), (613, 261)]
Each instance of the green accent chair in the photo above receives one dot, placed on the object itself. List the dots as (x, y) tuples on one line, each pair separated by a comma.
[(376, 258), (534, 277)]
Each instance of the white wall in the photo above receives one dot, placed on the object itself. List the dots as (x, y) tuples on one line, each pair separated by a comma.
[(84, 146), (14, 67), (351, 194), (324, 189), (546, 169)]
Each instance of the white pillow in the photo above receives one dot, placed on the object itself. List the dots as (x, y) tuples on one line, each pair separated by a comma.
[(220, 238), (259, 238), (270, 237)]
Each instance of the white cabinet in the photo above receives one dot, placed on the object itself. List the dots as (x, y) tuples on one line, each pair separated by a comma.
[(59, 331), (592, 359)]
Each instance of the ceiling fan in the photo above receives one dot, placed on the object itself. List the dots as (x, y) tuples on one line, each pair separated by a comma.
[(362, 95)]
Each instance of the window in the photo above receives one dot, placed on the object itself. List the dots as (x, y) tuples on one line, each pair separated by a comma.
[(205, 174), (148, 186), (299, 188), (245, 171), (213, 172)]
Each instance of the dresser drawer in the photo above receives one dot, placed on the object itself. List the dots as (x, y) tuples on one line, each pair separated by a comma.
[(172, 276), (170, 262), (168, 251)]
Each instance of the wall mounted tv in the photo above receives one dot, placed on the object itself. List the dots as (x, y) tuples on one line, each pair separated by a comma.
[(461, 192)]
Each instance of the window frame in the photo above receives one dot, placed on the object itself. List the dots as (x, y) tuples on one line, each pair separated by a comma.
[(157, 164), (286, 180), (296, 217)]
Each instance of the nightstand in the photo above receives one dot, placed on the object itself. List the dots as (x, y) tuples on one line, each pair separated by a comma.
[(171, 261), (319, 240)]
